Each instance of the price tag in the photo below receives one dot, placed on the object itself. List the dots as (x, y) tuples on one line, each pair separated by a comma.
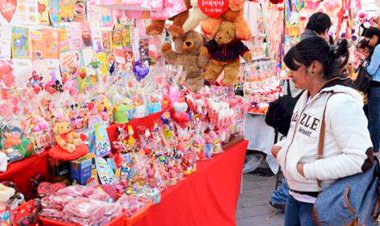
[(213, 8)]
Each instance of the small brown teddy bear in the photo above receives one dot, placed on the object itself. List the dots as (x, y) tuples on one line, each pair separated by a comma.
[(225, 51), (191, 54), (65, 137), (157, 26)]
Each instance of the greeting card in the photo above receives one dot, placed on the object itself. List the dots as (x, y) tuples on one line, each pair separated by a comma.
[(37, 43), (75, 36), (63, 40), (66, 10), (8, 9), (69, 65), (7, 77), (27, 12), (79, 10), (22, 67), (5, 42), (43, 11), (106, 40), (86, 34), (97, 40), (52, 38), (20, 43), (54, 9)]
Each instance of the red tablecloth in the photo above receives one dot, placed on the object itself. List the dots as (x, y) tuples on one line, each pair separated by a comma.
[(21, 172), (206, 198)]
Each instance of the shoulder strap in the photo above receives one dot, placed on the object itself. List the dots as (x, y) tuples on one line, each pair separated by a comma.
[(321, 141), (288, 88)]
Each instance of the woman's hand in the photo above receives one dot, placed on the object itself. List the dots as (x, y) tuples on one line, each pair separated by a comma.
[(275, 150), (300, 169)]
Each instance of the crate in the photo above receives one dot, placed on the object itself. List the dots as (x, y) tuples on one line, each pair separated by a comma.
[(129, 221), (118, 221)]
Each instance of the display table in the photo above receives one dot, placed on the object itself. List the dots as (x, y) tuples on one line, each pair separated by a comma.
[(207, 197), (20, 172), (260, 137)]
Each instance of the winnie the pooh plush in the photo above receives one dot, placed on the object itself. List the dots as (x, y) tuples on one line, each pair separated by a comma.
[(225, 51), (157, 26), (234, 14), (190, 53), (65, 137)]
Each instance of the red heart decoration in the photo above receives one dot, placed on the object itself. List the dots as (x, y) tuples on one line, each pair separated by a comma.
[(213, 8), (41, 8), (8, 9)]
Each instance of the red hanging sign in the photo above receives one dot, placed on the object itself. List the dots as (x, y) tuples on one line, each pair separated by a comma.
[(213, 8), (8, 9)]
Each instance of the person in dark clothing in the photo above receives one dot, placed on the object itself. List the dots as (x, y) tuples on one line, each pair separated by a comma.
[(318, 25)]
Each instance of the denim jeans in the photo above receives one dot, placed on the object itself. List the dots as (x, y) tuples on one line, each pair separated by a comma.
[(298, 213), (374, 116), (280, 196)]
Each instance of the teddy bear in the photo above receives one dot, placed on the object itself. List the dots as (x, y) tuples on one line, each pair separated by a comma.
[(157, 26), (65, 137), (195, 17), (225, 51), (234, 14), (188, 53)]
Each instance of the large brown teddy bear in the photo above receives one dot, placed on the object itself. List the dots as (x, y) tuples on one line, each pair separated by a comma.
[(191, 54), (157, 26), (65, 137), (235, 14), (225, 51)]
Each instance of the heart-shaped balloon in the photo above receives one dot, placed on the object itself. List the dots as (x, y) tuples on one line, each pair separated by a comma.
[(213, 8), (8, 9), (180, 107), (140, 70)]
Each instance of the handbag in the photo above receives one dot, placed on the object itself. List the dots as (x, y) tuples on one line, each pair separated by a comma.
[(363, 80), (351, 200), (280, 111)]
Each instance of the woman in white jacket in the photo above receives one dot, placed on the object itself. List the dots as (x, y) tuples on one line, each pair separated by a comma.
[(347, 145)]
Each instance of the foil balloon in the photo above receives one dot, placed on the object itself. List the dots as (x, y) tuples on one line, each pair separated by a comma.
[(141, 70)]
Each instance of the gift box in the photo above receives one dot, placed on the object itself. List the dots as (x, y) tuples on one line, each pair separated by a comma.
[(59, 170), (82, 169)]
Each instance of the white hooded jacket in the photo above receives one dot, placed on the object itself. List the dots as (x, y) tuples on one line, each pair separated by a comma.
[(347, 140)]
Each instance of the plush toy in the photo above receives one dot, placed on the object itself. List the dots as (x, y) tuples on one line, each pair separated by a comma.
[(190, 53), (104, 107), (157, 26), (225, 51), (65, 137), (195, 17), (235, 14), (6, 193)]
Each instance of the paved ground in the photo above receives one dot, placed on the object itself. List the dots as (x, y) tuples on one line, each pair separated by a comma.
[(253, 208)]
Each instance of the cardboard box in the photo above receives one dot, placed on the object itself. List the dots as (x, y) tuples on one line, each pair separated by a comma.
[(82, 169)]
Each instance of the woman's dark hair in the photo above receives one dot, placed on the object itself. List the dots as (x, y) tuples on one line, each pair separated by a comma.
[(319, 22), (333, 58), (372, 31)]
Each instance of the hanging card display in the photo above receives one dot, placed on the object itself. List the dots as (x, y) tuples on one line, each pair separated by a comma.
[(171, 8), (20, 43), (7, 78), (106, 40), (5, 42), (97, 40)]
